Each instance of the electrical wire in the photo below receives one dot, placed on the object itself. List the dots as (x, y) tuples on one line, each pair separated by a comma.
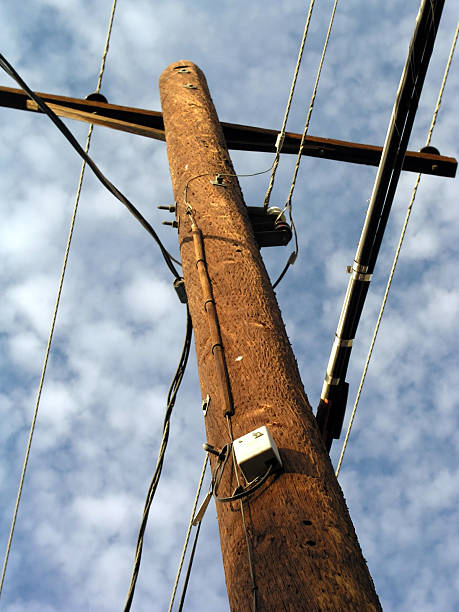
[(171, 397), (288, 204), (281, 135), (55, 311), (396, 257), (75, 144)]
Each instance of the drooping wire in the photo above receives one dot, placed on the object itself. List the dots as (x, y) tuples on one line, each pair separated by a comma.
[(187, 538), (281, 135), (56, 306), (397, 253), (102, 178), (171, 397), (288, 204)]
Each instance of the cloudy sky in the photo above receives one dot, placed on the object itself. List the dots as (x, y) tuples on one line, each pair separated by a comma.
[(120, 326)]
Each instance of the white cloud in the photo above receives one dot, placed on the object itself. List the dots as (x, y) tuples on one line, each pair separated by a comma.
[(120, 327)]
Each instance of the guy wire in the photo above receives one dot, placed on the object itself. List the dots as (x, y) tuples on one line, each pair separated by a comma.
[(54, 317), (280, 138), (288, 204)]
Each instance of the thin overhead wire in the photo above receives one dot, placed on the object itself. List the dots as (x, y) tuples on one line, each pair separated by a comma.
[(281, 135), (288, 204), (397, 253), (90, 162), (311, 106), (54, 316)]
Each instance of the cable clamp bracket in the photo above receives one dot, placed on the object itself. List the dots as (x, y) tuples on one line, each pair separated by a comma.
[(280, 141), (202, 509), (218, 181), (359, 272), (342, 342)]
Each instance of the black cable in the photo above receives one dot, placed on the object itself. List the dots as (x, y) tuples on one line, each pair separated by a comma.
[(171, 397), (245, 492), (75, 144), (282, 274)]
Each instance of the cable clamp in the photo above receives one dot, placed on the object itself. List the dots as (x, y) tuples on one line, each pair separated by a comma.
[(218, 181), (343, 342), (292, 258), (210, 301), (330, 380), (356, 267), (366, 278), (280, 140)]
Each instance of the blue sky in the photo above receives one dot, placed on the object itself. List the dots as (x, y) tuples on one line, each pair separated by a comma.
[(120, 326)]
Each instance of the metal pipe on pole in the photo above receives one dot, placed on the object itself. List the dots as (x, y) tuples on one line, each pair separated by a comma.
[(332, 405)]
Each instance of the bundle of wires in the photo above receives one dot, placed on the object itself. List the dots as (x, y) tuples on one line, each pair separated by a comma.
[(171, 397)]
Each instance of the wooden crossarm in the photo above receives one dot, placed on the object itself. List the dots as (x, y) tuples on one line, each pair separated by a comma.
[(238, 137)]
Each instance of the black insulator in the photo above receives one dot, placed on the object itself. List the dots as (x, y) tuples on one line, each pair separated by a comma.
[(269, 226), (430, 150), (96, 97)]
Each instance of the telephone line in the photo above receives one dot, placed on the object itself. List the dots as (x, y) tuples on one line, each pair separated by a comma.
[(76, 145)]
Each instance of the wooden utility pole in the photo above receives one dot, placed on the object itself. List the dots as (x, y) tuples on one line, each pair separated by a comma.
[(305, 553)]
